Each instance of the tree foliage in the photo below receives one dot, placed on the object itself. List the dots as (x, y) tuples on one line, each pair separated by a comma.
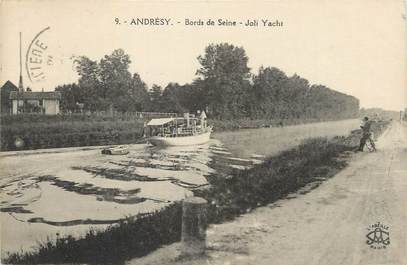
[(71, 97), (224, 86), (108, 84), (224, 76)]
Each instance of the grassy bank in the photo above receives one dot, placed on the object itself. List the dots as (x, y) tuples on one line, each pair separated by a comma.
[(229, 197), (245, 190), (44, 131), (311, 162), (132, 237), (231, 125), (41, 131)]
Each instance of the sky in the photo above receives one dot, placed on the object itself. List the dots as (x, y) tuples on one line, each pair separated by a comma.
[(356, 47)]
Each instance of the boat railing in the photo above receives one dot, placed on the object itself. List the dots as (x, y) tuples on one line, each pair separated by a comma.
[(180, 131)]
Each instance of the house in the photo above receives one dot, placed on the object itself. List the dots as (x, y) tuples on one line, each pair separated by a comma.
[(35, 102), (5, 102), (19, 100)]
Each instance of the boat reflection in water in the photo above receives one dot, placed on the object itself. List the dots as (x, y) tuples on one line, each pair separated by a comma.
[(179, 131)]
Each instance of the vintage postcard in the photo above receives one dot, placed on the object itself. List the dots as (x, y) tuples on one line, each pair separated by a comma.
[(203, 132)]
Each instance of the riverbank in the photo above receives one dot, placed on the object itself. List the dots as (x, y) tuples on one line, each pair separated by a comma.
[(313, 161), (289, 171), (326, 226), (232, 125), (32, 132), (29, 132)]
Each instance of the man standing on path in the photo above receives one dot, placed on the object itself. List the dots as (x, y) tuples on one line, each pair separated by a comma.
[(366, 134)]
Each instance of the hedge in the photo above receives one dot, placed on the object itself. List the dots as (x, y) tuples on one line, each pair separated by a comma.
[(40, 131)]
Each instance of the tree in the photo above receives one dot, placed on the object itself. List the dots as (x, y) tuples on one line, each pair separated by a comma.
[(276, 96), (225, 76), (173, 97), (139, 94), (156, 103), (181, 99), (223, 86), (109, 84), (71, 95), (297, 91), (90, 83), (116, 80), (267, 100)]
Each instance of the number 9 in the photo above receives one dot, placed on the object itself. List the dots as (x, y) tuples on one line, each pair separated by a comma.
[(117, 21)]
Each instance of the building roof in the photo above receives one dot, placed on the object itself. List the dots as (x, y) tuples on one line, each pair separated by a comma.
[(35, 95), (161, 121), (9, 85)]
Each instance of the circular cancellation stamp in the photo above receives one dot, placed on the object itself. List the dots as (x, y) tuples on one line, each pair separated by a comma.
[(38, 57), (46, 61)]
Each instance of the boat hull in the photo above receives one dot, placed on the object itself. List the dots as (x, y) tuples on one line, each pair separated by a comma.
[(120, 150), (181, 140)]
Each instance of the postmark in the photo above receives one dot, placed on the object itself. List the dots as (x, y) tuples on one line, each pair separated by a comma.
[(48, 59), (38, 57)]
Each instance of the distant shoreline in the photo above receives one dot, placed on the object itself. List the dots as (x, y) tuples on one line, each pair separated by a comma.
[(62, 131), (232, 125)]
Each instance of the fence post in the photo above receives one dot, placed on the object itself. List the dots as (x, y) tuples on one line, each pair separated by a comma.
[(194, 223)]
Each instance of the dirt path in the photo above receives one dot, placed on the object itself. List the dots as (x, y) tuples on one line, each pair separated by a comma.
[(327, 226)]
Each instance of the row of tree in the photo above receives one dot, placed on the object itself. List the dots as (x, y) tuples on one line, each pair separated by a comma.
[(224, 86)]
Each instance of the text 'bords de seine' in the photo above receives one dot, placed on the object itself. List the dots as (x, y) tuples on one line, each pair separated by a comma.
[(233, 23)]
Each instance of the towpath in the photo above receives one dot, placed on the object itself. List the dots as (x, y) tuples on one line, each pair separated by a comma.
[(326, 226)]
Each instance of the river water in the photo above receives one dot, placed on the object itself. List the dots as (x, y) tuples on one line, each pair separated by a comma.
[(52, 193)]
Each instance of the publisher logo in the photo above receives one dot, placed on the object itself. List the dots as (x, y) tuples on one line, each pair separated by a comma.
[(378, 236)]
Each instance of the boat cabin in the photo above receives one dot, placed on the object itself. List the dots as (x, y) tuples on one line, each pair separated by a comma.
[(189, 125)]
